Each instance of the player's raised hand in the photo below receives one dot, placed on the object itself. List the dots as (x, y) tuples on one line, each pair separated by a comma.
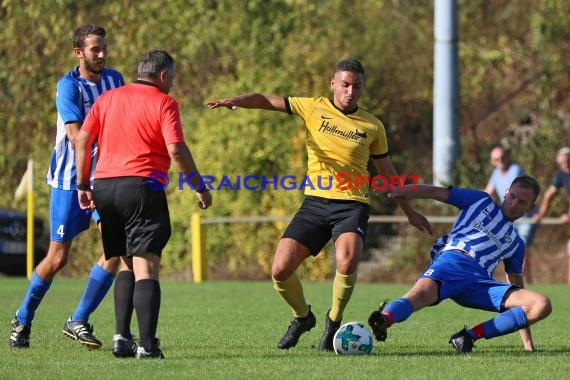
[(228, 103)]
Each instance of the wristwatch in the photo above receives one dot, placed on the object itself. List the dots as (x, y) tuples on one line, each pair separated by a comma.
[(83, 187)]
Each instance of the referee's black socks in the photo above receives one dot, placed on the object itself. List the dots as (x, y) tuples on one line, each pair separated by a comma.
[(123, 292), (147, 305)]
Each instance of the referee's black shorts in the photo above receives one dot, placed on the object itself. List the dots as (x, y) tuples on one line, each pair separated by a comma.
[(134, 216), (320, 219)]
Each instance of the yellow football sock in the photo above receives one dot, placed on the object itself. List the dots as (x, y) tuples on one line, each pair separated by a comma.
[(343, 286), (292, 292)]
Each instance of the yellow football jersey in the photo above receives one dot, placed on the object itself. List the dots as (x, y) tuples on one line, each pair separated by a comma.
[(338, 146)]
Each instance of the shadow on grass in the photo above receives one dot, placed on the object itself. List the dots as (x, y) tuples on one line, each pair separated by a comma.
[(478, 351)]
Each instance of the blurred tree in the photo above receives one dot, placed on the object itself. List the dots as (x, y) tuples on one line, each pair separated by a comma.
[(514, 88)]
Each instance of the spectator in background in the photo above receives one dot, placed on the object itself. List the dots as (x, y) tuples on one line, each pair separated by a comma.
[(504, 173), (560, 181)]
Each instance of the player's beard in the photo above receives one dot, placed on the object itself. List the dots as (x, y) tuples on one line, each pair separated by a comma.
[(93, 67)]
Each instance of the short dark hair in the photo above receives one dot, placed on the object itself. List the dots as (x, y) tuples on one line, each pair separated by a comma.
[(527, 182), (350, 64), (153, 63), (84, 31)]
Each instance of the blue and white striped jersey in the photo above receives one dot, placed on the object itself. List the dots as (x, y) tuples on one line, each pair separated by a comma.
[(482, 231), (74, 98)]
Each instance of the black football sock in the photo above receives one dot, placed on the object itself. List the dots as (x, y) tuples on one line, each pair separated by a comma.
[(147, 305), (123, 292)]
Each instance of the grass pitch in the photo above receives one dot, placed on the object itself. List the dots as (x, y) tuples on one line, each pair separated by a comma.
[(228, 330)]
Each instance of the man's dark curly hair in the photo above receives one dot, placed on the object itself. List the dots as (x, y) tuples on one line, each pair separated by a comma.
[(85, 30), (350, 64)]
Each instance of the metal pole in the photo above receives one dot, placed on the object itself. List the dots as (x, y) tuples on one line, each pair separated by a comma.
[(446, 93)]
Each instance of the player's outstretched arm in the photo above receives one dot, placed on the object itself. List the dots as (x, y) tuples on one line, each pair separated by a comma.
[(526, 336), (421, 192), (252, 101), (547, 199), (384, 165)]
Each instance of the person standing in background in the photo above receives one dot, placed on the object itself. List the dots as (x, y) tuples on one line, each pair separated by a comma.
[(561, 180)]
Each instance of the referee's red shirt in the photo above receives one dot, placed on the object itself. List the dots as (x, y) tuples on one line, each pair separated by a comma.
[(134, 124)]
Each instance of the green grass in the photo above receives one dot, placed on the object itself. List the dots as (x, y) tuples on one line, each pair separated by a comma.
[(228, 330)]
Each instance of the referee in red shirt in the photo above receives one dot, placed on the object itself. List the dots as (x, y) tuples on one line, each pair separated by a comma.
[(139, 132)]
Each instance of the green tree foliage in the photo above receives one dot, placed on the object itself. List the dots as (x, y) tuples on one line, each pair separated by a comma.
[(514, 88)]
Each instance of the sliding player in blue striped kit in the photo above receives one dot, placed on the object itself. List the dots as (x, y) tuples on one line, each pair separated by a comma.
[(463, 262)]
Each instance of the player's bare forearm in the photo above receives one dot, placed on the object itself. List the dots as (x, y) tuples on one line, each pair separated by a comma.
[(420, 192), (526, 338), (251, 101), (183, 160), (405, 204), (72, 131), (384, 165), (84, 141), (415, 218), (545, 204)]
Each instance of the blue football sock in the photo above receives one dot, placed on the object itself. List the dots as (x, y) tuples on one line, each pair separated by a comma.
[(399, 309), (98, 284), (37, 289), (505, 323)]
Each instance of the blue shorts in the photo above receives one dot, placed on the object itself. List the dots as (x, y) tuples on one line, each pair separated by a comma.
[(526, 232), (461, 279), (95, 216), (67, 219)]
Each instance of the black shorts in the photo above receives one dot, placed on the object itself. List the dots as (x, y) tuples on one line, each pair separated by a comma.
[(134, 216), (320, 219)]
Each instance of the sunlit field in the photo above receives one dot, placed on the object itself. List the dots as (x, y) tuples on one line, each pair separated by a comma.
[(229, 330)]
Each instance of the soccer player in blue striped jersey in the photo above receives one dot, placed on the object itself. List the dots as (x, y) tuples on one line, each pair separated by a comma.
[(463, 262), (76, 93)]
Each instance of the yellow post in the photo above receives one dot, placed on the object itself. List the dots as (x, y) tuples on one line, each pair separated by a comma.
[(199, 259), (30, 230), (568, 252)]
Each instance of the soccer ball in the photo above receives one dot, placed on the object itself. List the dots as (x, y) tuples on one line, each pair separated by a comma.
[(353, 338)]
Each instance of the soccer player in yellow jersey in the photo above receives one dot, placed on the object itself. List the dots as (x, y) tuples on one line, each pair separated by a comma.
[(341, 138)]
